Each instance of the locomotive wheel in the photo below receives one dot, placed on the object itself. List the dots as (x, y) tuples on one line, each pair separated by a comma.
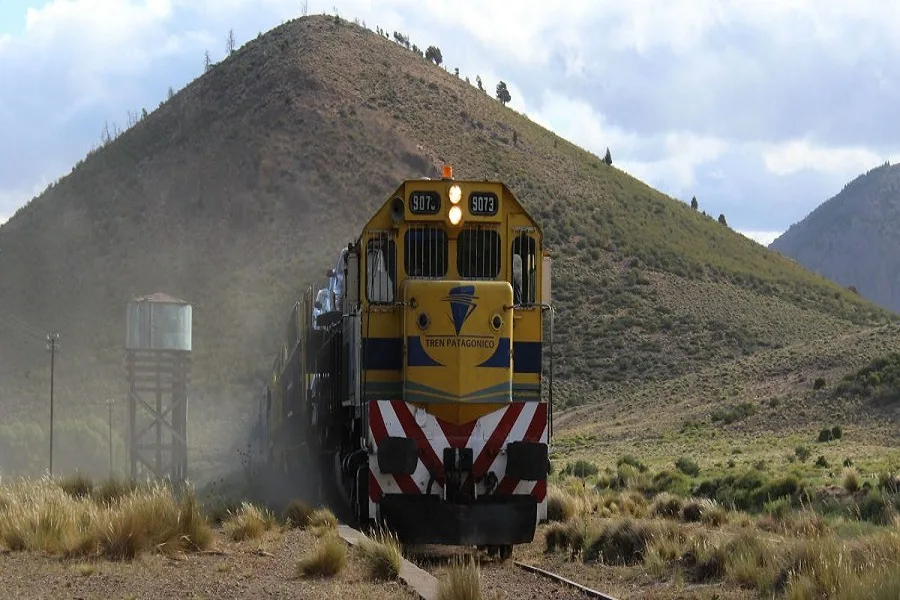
[(505, 551)]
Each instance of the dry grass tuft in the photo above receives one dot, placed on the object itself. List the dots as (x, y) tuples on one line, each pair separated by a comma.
[(327, 559), (77, 485), (383, 556), (666, 505), (561, 505), (565, 536), (852, 480), (461, 582), (624, 541), (41, 516), (297, 514), (249, 522), (322, 521)]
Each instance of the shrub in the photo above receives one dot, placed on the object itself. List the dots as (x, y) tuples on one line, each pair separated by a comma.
[(851, 480), (687, 466), (322, 520), (77, 485), (383, 556), (803, 453), (825, 435), (564, 536), (837, 432), (461, 582), (584, 468), (623, 541), (327, 559), (297, 514), (630, 459), (666, 505), (819, 383), (249, 522), (821, 461), (561, 505)]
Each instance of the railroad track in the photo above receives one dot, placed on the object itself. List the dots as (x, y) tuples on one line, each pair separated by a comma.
[(425, 584), (592, 593)]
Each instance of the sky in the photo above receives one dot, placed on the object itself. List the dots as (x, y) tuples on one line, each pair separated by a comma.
[(762, 109)]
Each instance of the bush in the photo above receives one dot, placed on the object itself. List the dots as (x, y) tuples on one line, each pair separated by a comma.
[(583, 468), (328, 559), (77, 485), (461, 582), (821, 461), (561, 505), (666, 505), (803, 453), (383, 556), (837, 432), (297, 514), (819, 383), (687, 466), (851, 480), (632, 460), (564, 536), (825, 435), (249, 522)]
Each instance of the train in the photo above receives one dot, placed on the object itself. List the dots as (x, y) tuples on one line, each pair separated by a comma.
[(413, 382)]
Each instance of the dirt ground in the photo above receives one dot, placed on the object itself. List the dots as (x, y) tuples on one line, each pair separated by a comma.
[(263, 568)]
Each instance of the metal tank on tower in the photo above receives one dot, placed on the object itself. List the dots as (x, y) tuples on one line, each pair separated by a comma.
[(158, 364)]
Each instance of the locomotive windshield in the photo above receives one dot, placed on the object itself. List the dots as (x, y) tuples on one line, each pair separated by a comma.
[(425, 252), (478, 253)]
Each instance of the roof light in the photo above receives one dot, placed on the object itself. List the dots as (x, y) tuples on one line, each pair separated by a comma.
[(455, 215), (447, 173), (455, 194)]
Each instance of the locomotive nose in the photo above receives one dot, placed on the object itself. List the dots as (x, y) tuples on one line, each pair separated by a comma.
[(458, 342)]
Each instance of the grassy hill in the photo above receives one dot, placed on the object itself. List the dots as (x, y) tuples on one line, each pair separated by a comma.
[(238, 191), (853, 237)]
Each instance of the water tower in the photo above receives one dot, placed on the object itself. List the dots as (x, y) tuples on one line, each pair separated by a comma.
[(158, 363)]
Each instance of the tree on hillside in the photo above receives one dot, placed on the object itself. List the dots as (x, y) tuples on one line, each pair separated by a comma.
[(722, 219), (478, 81), (456, 71), (229, 42), (503, 93), (608, 158), (207, 64), (694, 203), (304, 7), (433, 53)]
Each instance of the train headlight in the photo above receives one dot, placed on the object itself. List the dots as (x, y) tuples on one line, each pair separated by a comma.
[(455, 215), (455, 194)]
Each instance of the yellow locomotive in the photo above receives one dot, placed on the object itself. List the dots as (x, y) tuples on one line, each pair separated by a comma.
[(412, 381)]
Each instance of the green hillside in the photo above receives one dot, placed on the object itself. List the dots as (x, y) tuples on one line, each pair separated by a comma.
[(237, 193)]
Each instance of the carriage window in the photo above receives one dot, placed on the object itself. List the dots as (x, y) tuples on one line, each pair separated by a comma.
[(478, 253), (524, 269), (381, 268), (425, 252)]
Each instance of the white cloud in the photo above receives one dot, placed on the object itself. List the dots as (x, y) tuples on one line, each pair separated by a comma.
[(797, 155), (763, 237)]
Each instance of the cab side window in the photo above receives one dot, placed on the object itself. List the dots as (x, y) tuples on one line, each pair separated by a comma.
[(523, 271), (381, 269)]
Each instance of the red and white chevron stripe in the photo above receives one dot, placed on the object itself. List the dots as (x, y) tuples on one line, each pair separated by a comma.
[(487, 436)]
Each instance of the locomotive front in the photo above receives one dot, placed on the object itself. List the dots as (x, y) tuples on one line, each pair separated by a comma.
[(456, 286)]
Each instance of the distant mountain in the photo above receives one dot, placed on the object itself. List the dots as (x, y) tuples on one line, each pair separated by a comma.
[(854, 238)]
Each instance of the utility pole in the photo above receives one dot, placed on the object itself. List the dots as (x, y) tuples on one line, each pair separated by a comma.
[(109, 403), (52, 342)]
